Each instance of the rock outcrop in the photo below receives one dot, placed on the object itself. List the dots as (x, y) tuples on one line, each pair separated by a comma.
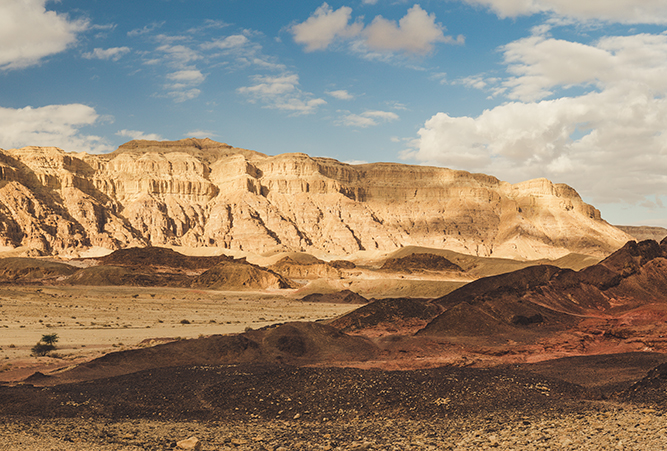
[(198, 193)]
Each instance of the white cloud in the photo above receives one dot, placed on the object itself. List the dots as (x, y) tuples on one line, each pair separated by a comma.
[(282, 93), (229, 42), (53, 125), (179, 54), (187, 76), (267, 86), (416, 32), (28, 32), (609, 143), (367, 118), (136, 134), (621, 11), (340, 94), (181, 96), (145, 30), (540, 64), (440, 77), (113, 53), (324, 26)]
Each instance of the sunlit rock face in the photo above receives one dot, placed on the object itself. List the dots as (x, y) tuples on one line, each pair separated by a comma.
[(199, 193)]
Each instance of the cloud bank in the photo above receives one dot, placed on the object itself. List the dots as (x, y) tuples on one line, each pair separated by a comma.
[(616, 11), (29, 33), (610, 142), (53, 125)]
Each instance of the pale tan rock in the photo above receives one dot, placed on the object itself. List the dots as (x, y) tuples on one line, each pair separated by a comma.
[(192, 443), (199, 193)]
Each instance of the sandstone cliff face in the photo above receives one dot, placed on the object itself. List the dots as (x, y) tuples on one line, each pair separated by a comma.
[(202, 193)]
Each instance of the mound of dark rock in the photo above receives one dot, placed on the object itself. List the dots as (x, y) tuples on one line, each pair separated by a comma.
[(394, 314), (340, 297), (298, 343), (160, 257), (420, 262), (27, 270)]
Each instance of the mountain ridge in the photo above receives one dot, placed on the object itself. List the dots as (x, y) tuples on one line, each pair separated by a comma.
[(199, 193)]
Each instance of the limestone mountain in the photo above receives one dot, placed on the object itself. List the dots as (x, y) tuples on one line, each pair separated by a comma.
[(199, 193)]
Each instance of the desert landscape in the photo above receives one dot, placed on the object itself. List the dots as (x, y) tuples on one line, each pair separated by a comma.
[(200, 296)]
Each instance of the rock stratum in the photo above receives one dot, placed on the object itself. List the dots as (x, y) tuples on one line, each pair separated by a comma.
[(200, 193)]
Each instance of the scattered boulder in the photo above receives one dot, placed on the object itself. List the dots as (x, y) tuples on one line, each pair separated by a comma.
[(192, 443)]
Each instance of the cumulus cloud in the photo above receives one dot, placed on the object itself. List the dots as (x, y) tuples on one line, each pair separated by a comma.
[(416, 32), (367, 119), (281, 92), (136, 134), (29, 33), (340, 94), (189, 76), (540, 64), (113, 53), (621, 11), (53, 125), (609, 142), (325, 25)]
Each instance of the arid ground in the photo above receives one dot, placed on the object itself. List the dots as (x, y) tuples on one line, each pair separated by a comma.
[(528, 357), (92, 321)]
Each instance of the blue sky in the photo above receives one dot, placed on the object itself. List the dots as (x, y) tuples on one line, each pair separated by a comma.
[(570, 90)]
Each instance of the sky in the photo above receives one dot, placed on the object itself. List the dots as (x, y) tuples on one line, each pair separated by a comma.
[(571, 90)]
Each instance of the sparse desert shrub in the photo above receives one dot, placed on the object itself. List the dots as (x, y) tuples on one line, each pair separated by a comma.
[(42, 349), (45, 345), (185, 321)]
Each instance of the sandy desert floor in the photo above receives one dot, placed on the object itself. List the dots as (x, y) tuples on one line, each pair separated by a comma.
[(91, 321)]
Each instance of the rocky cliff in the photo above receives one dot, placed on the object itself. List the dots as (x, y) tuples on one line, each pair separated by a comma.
[(199, 193)]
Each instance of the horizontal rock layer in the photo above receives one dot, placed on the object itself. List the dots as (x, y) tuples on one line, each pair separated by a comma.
[(199, 193)]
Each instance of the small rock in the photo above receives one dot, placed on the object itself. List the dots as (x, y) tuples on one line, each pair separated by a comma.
[(190, 443)]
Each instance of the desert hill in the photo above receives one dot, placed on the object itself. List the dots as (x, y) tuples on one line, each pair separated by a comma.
[(617, 305), (199, 193), (641, 233), (144, 267), (543, 298)]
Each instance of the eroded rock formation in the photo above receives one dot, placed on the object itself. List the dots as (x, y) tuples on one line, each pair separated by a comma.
[(201, 193)]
